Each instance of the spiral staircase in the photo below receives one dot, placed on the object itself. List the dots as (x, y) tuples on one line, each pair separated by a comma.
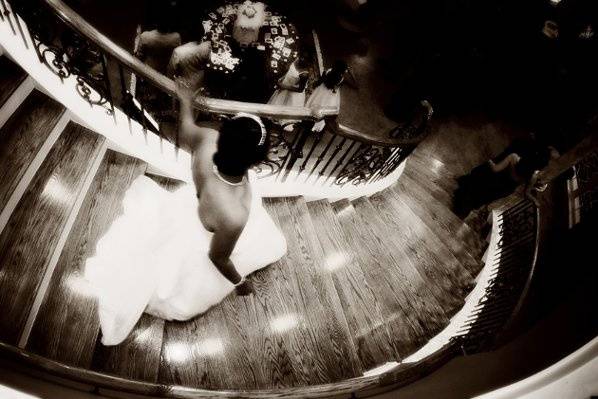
[(366, 282)]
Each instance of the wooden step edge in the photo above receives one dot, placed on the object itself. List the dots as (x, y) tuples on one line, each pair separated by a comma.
[(430, 166), (16, 99), (438, 177), (425, 157), (477, 246), (408, 180), (436, 191), (29, 174), (43, 287)]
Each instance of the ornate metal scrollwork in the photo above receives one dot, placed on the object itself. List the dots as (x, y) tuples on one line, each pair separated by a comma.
[(280, 147), (517, 224), (587, 179), (363, 164), (66, 54)]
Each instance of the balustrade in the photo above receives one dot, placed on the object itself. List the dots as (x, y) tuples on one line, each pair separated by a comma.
[(337, 157)]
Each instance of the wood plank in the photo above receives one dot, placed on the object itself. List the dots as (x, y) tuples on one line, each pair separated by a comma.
[(137, 357), (431, 164), (450, 281), (22, 137), (29, 239), (202, 353), (433, 188), (357, 297), (260, 340), (455, 234), (251, 343), (417, 289), (320, 306), (399, 315), (11, 76), (67, 325), (434, 170)]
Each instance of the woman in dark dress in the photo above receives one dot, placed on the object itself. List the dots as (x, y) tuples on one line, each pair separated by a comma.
[(500, 177)]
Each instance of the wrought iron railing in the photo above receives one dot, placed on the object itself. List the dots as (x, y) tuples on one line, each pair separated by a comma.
[(336, 157), (514, 265), (585, 194)]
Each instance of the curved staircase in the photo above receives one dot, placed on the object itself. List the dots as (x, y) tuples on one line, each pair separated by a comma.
[(365, 282)]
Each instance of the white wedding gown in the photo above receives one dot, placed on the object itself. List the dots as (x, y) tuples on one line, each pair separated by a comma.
[(154, 258)]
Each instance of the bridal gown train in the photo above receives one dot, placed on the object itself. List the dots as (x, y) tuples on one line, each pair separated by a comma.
[(154, 258)]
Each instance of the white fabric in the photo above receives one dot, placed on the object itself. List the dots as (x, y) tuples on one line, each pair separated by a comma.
[(288, 97), (154, 258)]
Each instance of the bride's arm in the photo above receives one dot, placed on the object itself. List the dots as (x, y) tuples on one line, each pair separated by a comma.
[(190, 135), (222, 245)]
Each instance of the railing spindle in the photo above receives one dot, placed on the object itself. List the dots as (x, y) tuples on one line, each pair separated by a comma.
[(320, 158)]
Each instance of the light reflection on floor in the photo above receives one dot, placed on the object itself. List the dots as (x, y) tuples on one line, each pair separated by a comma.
[(284, 323)]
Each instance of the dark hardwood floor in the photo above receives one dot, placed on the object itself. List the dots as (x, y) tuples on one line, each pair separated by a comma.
[(22, 136), (29, 240), (11, 77), (67, 324), (363, 283)]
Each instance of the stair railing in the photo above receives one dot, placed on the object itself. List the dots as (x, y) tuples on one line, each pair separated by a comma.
[(523, 230), (337, 157), (514, 258)]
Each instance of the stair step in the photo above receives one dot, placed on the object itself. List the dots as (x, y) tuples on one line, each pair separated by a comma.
[(476, 142), (30, 241), (22, 137), (66, 327), (11, 76), (405, 321), (456, 235), (434, 171), (290, 332), (137, 357), (435, 190), (321, 304), (431, 164), (443, 272), (358, 299), (421, 291), (198, 353), (288, 351)]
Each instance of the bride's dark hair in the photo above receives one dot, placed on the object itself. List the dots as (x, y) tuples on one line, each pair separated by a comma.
[(239, 146)]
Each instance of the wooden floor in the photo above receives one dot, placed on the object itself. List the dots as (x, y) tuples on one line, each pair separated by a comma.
[(22, 136), (11, 77), (364, 282)]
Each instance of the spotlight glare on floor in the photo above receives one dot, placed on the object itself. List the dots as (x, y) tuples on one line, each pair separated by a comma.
[(176, 352), (335, 261), (209, 347), (284, 323), (56, 191)]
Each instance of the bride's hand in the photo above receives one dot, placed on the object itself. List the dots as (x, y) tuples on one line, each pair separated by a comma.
[(244, 289)]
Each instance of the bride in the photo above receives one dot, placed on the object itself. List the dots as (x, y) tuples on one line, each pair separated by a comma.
[(175, 254)]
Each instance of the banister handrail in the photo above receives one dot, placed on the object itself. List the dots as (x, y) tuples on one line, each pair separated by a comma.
[(386, 141), (207, 104), (167, 85), (570, 158)]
